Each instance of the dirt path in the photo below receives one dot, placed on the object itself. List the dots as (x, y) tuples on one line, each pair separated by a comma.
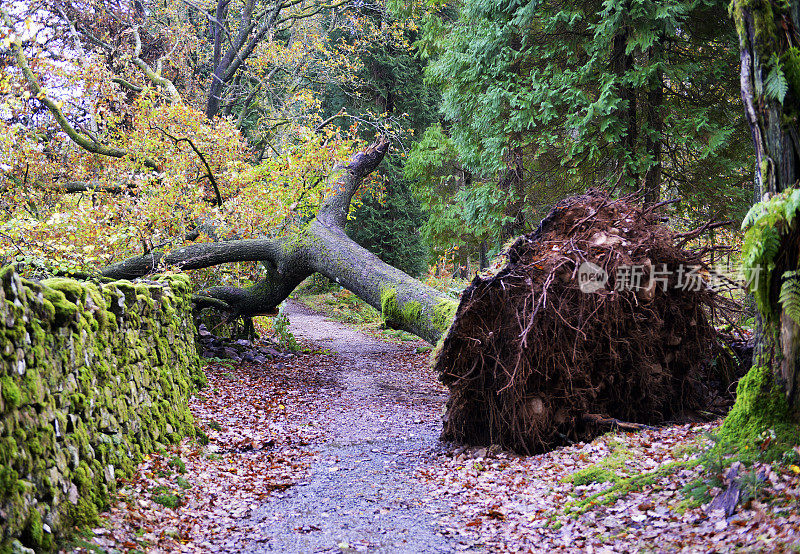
[(359, 495), (338, 452)]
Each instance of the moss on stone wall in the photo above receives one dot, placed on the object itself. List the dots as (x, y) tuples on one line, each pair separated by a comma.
[(92, 378)]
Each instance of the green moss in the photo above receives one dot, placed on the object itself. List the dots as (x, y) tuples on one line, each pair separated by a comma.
[(443, 313), (177, 464), (595, 473), (182, 482), (202, 438), (83, 513), (411, 311), (88, 366), (168, 500), (35, 446), (63, 309), (8, 479), (126, 287), (761, 424), (48, 310), (11, 393), (34, 528), (623, 487), (7, 273), (389, 307), (71, 288), (82, 477), (78, 401), (607, 470), (145, 300), (763, 21)]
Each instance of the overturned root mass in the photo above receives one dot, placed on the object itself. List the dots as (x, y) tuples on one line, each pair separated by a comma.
[(532, 357)]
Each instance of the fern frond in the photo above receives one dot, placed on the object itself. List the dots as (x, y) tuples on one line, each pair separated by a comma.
[(771, 241), (789, 297), (776, 86), (791, 206)]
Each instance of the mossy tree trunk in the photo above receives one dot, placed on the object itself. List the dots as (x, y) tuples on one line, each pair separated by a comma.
[(321, 246), (767, 398)]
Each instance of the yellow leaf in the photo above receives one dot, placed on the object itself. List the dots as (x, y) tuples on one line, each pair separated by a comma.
[(794, 468)]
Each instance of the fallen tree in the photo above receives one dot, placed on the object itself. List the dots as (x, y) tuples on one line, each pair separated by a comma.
[(534, 377), (532, 359), (598, 313), (321, 246)]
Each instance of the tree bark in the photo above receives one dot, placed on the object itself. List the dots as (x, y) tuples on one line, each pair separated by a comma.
[(322, 246), (655, 126), (622, 62), (767, 399)]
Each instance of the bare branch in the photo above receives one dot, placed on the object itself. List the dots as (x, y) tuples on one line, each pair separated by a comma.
[(78, 138), (209, 173)]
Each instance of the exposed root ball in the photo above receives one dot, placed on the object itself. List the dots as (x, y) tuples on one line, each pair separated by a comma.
[(530, 356)]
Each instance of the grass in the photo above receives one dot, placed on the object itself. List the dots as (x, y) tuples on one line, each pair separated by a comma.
[(164, 496), (345, 307)]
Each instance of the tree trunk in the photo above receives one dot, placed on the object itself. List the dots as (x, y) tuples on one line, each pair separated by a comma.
[(655, 126), (621, 63), (321, 246), (767, 407)]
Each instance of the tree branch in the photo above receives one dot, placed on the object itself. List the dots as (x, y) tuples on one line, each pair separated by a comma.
[(335, 207), (209, 173), (154, 76), (78, 138), (198, 256), (125, 84), (72, 187)]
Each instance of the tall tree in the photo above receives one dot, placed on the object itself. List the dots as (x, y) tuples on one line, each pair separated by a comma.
[(389, 94), (625, 93), (768, 398)]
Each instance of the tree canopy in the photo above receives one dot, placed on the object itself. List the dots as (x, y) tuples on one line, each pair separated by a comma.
[(543, 98)]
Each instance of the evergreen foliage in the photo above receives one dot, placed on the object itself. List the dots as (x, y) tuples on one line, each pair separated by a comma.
[(625, 93), (391, 88), (390, 227)]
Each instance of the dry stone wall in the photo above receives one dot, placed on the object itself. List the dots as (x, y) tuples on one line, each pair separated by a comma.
[(92, 378)]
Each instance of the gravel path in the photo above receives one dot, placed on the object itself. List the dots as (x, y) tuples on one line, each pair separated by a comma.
[(381, 425)]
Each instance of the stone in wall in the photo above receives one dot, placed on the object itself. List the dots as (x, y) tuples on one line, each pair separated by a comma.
[(92, 378)]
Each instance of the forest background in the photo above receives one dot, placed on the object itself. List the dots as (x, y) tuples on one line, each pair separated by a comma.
[(153, 125)]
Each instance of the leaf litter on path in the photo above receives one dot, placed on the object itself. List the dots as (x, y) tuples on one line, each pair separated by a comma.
[(272, 426)]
